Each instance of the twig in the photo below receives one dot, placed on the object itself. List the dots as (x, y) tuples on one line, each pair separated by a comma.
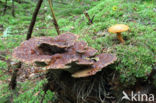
[(34, 19), (89, 19), (54, 18)]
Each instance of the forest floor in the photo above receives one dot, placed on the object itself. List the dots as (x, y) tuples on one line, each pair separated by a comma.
[(136, 58)]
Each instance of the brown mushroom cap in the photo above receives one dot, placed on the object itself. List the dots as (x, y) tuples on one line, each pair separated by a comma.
[(80, 46), (40, 49), (59, 61), (27, 52), (63, 52), (62, 41), (104, 60), (89, 52), (86, 61), (118, 28)]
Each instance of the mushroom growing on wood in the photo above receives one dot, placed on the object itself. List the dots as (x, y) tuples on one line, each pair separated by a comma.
[(118, 28), (61, 52), (103, 61), (41, 49), (65, 59), (28, 52)]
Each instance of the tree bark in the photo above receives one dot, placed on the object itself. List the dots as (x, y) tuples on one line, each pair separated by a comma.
[(34, 19)]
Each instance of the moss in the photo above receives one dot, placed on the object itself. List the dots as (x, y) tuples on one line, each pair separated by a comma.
[(136, 57), (134, 61)]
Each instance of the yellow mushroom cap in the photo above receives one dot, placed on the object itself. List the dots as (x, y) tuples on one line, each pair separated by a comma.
[(118, 28)]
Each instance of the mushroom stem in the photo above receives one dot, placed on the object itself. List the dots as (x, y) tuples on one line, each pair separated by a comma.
[(120, 37)]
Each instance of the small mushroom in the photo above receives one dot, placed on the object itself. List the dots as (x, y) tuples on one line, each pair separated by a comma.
[(118, 28)]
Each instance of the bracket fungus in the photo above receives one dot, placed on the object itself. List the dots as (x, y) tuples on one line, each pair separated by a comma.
[(65, 59), (118, 28), (103, 61), (61, 52)]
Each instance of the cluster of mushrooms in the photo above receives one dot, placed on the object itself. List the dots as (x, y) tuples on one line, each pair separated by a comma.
[(64, 52)]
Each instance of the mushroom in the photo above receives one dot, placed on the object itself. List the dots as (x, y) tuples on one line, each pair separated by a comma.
[(118, 28), (60, 61), (62, 41), (104, 60), (63, 52), (80, 46), (41, 49), (65, 58), (29, 53), (86, 61)]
